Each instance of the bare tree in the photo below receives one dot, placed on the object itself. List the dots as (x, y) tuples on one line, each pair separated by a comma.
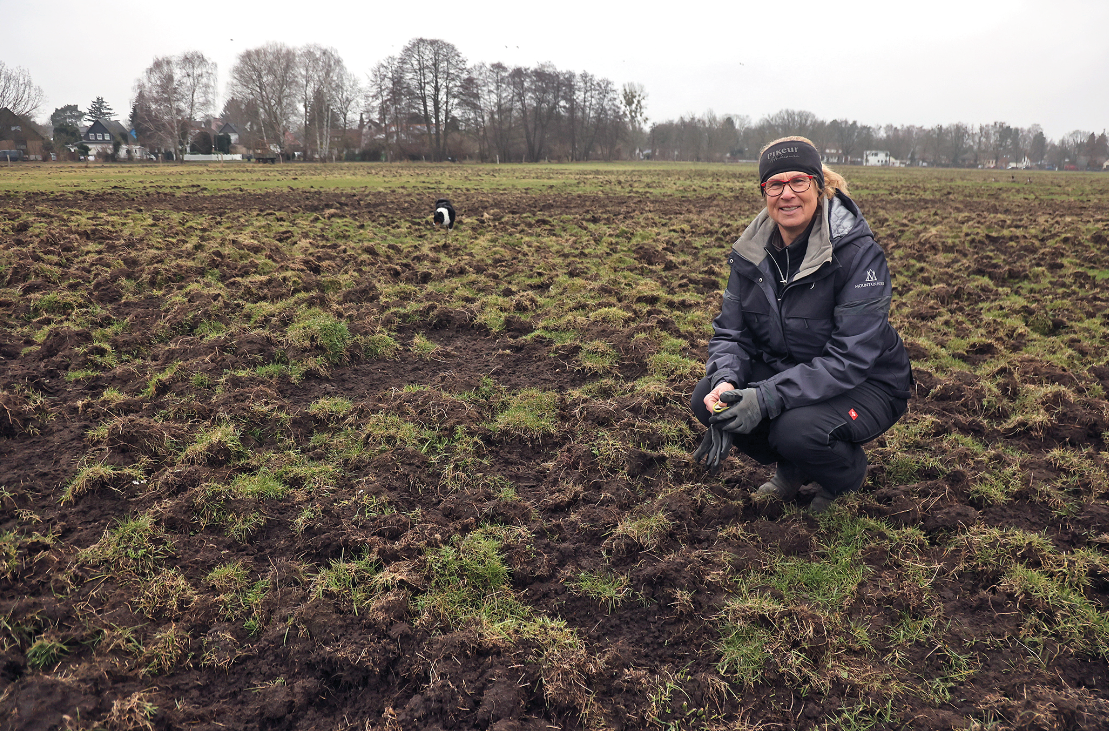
[(499, 105), (956, 143), (17, 92), (932, 144), (789, 122), (173, 91), (1037, 145), (537, 94), (320, 73), (850, 137), (709, 138), (308, 72), (569, 116), (903, 143), (157, 107), (197, 81), (1072, 145), (267, 77), (725, 140), (425, 97), (389, 104), (591, 104), (347, 96), (633, 98), (475, 109), (1005, 140), (1020, 140), (435, 71)]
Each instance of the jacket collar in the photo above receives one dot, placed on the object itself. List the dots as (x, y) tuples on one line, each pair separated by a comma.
[(834, 218)]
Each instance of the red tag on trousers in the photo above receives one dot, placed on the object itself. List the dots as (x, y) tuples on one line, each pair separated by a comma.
[(854, 414)]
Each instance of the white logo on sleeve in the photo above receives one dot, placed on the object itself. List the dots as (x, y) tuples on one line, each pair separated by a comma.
[(871, 280)]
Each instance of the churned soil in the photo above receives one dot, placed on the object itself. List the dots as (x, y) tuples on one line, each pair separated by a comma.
[(317, 663)]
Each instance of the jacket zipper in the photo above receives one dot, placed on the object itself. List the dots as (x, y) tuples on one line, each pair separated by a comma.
[(782, 322), (778, 304)]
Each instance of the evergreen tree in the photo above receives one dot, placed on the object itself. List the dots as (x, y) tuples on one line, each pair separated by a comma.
[(99, 109), (67, 116)]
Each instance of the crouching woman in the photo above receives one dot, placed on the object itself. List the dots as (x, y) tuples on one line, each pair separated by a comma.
[(804, 366)]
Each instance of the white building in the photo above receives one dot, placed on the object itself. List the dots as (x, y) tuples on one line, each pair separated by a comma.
[(876, 157), (881, 158)]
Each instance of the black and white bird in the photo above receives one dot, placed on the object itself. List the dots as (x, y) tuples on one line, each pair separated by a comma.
[(444, 213)]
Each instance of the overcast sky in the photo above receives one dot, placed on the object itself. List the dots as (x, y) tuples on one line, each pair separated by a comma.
[(875, 61)]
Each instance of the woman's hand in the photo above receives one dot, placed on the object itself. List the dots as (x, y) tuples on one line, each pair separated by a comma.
[(713, 396), (743, 412)]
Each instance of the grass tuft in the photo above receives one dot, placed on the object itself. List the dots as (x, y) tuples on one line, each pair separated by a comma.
[(531, 414), (95, 476), (135, 545), (317, 329), (647, 530), (608, 589)]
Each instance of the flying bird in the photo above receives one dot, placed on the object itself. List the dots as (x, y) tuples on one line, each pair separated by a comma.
[(444, 214)]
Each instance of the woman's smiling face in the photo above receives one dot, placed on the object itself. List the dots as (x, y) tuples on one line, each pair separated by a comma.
[(792, 211)]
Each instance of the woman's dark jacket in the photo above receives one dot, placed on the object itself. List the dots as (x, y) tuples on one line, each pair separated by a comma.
[(830, 330)]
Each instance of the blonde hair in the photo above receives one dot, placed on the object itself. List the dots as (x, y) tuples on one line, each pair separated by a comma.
[(833, 181)]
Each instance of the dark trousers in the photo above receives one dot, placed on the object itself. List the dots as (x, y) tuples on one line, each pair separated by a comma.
[(821, 442)]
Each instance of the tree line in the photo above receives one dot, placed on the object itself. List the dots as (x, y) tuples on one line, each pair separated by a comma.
[(428, 102), (716, 138)]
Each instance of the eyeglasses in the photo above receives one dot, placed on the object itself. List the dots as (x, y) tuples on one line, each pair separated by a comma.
[(775, 188)]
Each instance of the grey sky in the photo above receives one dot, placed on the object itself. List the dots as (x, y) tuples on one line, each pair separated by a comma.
[(874, 61)]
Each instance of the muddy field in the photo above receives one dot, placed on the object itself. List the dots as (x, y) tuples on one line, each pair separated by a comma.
[(294, 459)]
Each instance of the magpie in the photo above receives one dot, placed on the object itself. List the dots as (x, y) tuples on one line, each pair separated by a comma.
[(444, 213)]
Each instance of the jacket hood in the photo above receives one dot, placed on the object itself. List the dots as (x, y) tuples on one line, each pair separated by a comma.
[(835, 218)]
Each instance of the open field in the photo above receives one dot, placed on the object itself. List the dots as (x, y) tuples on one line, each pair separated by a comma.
[(277, 454)]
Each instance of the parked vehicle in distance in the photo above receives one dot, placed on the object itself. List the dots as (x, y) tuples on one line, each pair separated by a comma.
[(264, 154)]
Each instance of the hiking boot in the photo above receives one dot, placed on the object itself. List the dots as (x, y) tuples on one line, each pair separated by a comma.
[(784, 484), (823, 499), (821, 502)]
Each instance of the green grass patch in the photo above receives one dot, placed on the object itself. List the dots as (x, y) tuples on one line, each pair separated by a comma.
[(607, 589), (44, 653), (95, 476), (646, 530), (330, 407), (317, 329), (352, 583), (136, 545), (422, 347), (531, 413), (238, 596), (380, 347), (220, 443)]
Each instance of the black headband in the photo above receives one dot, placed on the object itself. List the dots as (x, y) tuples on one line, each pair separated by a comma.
[(785, 157)]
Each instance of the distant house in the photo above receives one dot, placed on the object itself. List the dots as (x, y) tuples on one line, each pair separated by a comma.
[(833, 157), (881, 158), (18, 133), (101, 135), (876, 157), (231, 131)]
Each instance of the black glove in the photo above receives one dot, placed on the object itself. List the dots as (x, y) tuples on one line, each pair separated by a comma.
[(714, 448), (744, 414)]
